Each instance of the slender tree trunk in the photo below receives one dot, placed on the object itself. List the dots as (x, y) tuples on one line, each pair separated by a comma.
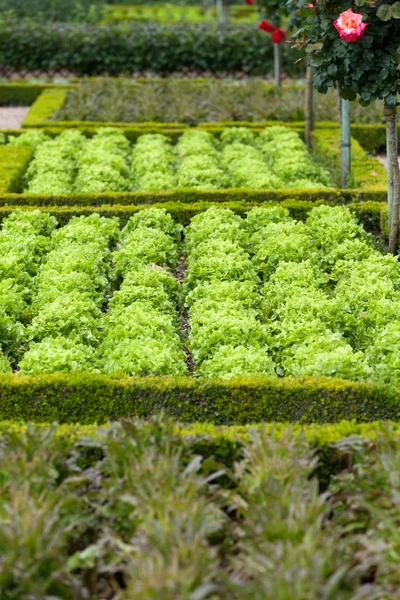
[(393, 177), (309, 107), (345, 143), (277, 65), (225, 12), (220, 11)]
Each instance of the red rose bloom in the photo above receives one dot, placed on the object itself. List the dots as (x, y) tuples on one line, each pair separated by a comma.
[(278, 36), (265, 26), (250, 1)]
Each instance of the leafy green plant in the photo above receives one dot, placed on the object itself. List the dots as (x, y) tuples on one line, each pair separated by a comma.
[(56, 355), (285, 548), (71, 287), (72, 163), (140, 330), (24, 240)]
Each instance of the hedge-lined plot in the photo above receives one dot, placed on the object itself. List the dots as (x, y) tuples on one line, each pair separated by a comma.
[(266, 295), (275, 159)]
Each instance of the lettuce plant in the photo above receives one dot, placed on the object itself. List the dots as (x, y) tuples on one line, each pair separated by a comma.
[(140, 334)]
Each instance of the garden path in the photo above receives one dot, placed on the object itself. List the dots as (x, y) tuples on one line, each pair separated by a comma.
[(11, 117)]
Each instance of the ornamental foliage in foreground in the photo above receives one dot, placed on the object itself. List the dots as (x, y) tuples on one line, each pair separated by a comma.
[(367, 65), (139, 511)]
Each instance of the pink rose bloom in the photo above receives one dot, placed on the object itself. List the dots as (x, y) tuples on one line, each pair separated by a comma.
[(350, 26)]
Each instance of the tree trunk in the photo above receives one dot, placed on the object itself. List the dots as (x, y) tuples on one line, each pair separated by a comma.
[(225, 12), (393, 176), (220, 12), (345, 143), (309, 107), (277, 65)]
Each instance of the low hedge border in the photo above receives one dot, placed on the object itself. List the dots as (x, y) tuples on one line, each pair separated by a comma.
[(45, 105), (21, 94), (89, 398), (13, 164), (366, 172), (224, 444), (318, 435), (251, 197), (373, 215), (372, 137)]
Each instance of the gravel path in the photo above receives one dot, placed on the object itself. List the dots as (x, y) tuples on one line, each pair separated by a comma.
[(11, 117), (383, 159)]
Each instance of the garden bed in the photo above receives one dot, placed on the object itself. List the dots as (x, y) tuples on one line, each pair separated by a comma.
[(261, 156), (264, 299)]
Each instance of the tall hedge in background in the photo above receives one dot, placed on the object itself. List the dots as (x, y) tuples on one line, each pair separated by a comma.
[(133, 49), (54, 10)]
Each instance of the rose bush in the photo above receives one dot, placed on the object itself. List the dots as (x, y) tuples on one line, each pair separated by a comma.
[(355, 51)]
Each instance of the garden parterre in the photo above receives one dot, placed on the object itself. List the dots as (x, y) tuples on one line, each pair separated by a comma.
[(263, 294), (275, 159)]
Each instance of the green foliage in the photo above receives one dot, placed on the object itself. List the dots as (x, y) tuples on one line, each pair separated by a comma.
[(89, 398), (225, 337), (265, 294), (57, 355), (102, 163), (21, 93), (71, 284), (170, 100), (13, 165), (54, 165), (177, 12), (283, 527), (152, 163), (247, 168), (30, 139), (24, 239)]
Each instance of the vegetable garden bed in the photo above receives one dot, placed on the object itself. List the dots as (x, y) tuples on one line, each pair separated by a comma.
[(265, 297), (201, 162)]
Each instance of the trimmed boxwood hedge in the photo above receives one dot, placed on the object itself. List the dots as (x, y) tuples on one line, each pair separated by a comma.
[(21, 94), (13, 163), (193, 197), (89, 398)]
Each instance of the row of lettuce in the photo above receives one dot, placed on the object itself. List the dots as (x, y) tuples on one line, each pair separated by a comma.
[(263, 294), (138, 511), (277, 158)]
